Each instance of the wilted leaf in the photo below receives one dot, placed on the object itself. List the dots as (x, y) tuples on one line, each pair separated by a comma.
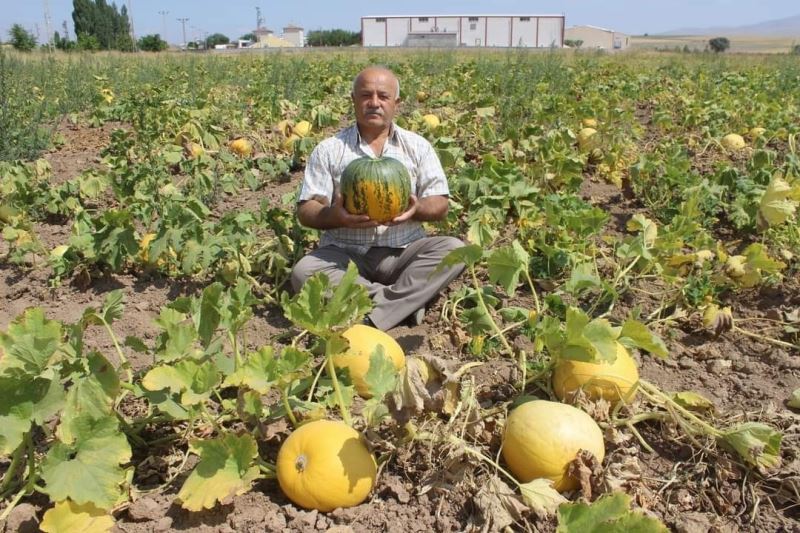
[(583, 277), (540, 496), (718, 320), (498, 505), (693, 400), (776, 204), (225, 470), (756, 443), (68, 517), (647, 227)]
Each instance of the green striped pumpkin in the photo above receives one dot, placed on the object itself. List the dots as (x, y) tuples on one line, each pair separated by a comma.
[(378, 187)]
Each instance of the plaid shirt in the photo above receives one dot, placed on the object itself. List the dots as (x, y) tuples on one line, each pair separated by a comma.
[(331, 156)]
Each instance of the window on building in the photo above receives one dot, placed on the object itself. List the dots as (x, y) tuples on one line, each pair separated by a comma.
[(473, 26), (380, 19), (524, 19), (473, 19), (422, 19)]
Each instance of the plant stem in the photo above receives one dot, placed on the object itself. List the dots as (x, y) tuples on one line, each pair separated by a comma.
[(16, 458), (765, 339), (651, 390), (483, 305), (335, 381), (287, 406), (533, 292)]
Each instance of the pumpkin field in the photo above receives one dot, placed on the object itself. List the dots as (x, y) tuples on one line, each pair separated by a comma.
[(621, 352)]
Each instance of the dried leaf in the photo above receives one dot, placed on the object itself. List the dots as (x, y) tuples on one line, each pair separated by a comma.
[(498, 505), (540, 496), (718, 320), (587, 470)]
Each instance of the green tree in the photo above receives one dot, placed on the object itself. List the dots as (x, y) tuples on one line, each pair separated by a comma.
[(248, 37), (215, 39), (21, 39), (152, 43), (796, 49), (573, 43), (719, 44), (335, 37), (109, 26)]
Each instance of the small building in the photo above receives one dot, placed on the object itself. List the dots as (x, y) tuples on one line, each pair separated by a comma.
[(294, 34), (507, 31), (597, 37), (266, 38)]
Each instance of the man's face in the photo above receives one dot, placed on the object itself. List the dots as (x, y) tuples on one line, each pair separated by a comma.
[(375, 99)]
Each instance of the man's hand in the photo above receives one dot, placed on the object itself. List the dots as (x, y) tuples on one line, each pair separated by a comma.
[(408, 214), (316, 213)]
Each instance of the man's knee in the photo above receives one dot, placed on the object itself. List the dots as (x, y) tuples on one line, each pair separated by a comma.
[(452, 243), (301, 271)]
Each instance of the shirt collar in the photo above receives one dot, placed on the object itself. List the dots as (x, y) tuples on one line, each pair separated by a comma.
[(392, 133)]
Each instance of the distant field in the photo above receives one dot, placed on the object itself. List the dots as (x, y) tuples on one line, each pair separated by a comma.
[(739, 44)]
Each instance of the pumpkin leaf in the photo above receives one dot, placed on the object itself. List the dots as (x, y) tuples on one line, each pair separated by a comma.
[(609, 514), (319, 309), (506, 264), (258, 371), (91, 393), (382, 374), (540, 496), (589, 340), (469, 255), (30, 344), (67, 516), (776, 205), (635, 333), (583, 277), (87, 470), (498, 505), (194, 381), (756, 443), (226, 469), (111, 311), (692, 400)]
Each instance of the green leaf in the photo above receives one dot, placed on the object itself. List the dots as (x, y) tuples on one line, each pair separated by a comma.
[(777, 205), (24, 400), (258, 371), (382, 374), (756, 443), (635, 333), (583, 277), (226, 469), (206, 312), (194, 381), (88, 470), (92, 393), (476, 321), (692, 400), (506, 265), (68, 516), (320, 310), (468, 255), (609, 514), (591, 341), (31, 343)]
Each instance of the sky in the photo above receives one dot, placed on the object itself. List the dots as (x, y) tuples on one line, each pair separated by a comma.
[(234, 18)]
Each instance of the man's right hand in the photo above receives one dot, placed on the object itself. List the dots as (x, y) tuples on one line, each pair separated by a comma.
[(316, 213)]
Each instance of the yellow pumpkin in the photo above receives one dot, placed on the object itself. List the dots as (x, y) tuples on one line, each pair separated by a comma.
[(431, 121), (325, 465), (589, 123), (611, 382), (196, 150), (241, 147), (285, 127), (733, 142), (586, 139), (144, 246), (756, 132), (541, 438), (363, 341), (302, 128), (421, 96)]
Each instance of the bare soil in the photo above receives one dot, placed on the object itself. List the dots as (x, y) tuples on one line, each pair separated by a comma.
[(691, 490)]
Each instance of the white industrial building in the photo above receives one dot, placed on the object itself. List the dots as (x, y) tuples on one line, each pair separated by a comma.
[(534, 31), (597, 37)]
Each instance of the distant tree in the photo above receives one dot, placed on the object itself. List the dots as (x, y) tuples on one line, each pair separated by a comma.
[(109, 25), (719, 44), (248, 37), (88, 42), (21, 39), (796, 49), (152, 43), (63, 43), (573, 43), (333, 38), (215, 39)]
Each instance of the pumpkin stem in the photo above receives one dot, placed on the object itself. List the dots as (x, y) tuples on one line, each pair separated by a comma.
[(301, 462)]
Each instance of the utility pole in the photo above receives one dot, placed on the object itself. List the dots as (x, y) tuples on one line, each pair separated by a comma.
[(47, 32), (130, 26), (259, 20), (164, 14), (183, 23)]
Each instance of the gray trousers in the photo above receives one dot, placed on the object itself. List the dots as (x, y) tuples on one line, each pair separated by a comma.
[(399, 280)]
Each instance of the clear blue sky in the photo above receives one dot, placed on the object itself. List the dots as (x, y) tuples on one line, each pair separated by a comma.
[(237, 17)]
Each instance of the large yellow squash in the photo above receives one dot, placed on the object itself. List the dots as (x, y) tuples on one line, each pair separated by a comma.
[(324, 465), (733, 142), (541, 438), (241, 147), (611, 382), (363, 341)]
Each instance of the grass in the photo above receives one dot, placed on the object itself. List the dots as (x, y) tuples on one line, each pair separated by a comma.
[(740, 44)]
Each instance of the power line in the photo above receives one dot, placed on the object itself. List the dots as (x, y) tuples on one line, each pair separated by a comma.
[(164, 14)]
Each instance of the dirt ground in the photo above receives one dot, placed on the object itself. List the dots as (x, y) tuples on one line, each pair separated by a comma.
[(691, 490)]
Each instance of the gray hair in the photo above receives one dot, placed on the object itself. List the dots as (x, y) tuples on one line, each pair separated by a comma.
[(377, 67)]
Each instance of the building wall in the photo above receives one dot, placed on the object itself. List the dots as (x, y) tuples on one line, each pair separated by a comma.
[(471, 31), (598, 38), (294, 36)]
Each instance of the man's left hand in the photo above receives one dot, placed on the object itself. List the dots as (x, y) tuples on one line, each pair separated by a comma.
[(408, 214)]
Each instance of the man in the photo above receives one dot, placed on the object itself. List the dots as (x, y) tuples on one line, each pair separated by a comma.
[(395, 260)]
